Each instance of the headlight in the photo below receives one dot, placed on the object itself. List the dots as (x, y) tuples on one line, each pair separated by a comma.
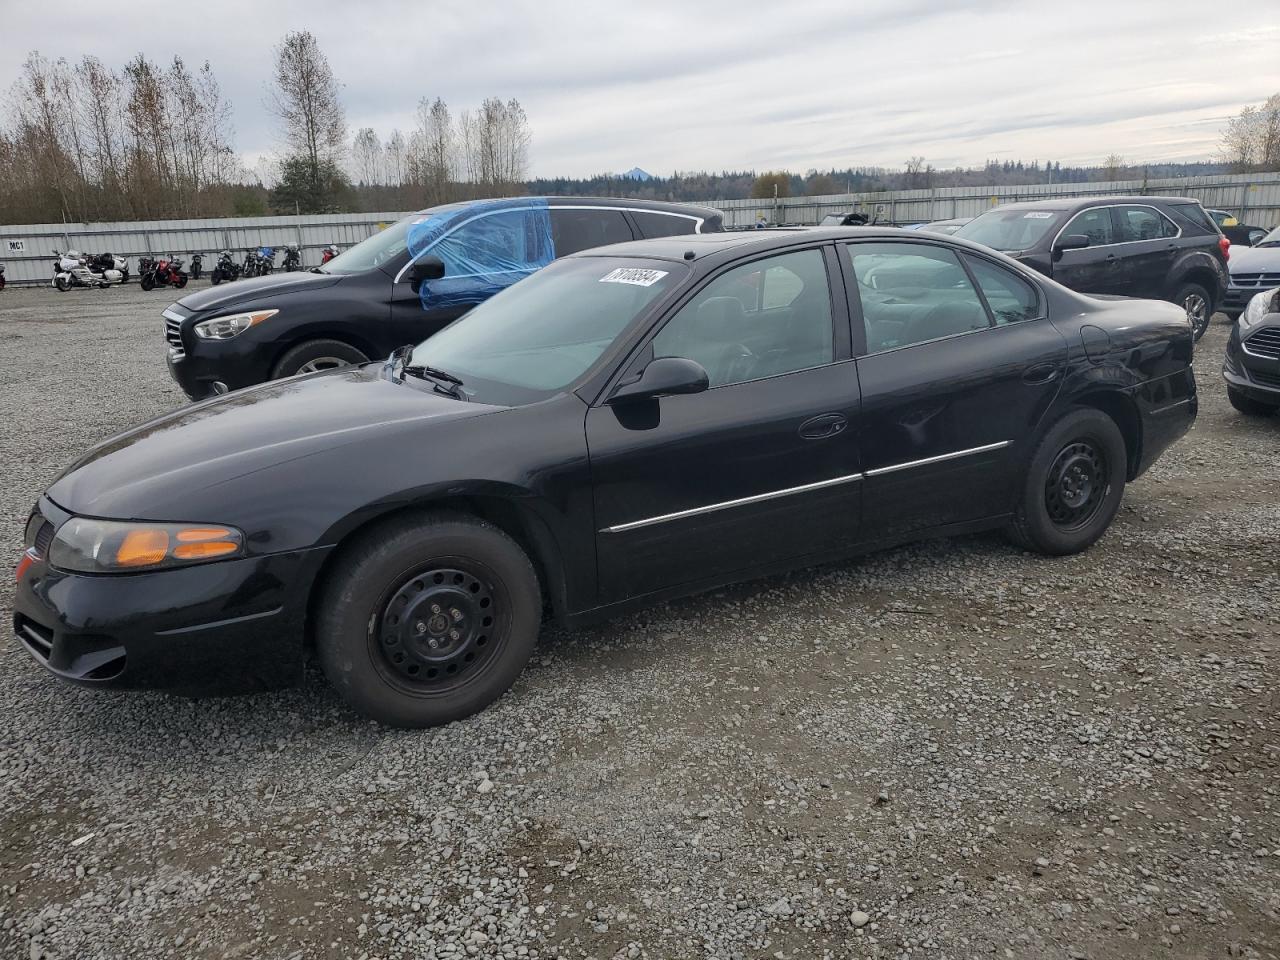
[(111, 546), (1259, 307), (224, 328)]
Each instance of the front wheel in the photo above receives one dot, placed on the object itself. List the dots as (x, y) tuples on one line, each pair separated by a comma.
[(1249, 406), (216, 277), (316, 355), (62, 283), (1073, 485), (148, 281), (1195, 300), (427, 619), (180, 281)]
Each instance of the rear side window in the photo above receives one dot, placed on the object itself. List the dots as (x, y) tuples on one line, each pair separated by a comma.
[(574, 230), (653, 224), (1010, 297), (1141, 223), (1196, 214), (912, 293), (1094, 224)]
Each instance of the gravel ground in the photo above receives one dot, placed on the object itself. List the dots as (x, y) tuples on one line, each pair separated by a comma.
[(948, 750)]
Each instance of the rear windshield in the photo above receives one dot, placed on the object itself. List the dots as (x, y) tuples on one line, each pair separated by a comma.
[(1011, 229)]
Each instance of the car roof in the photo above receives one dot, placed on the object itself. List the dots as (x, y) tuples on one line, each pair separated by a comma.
[(1068, 203), (698, 246), (658, 206)]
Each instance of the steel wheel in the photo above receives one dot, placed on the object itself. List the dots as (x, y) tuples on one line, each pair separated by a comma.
[(1197, 308), (322, 363), (439, 628), (1076, 485)]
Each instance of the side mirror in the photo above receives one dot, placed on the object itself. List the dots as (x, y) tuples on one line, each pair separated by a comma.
[(1072, 241), (428, 268), (664, 377)]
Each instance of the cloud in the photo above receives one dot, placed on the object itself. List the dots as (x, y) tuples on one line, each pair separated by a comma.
[(744, 83)]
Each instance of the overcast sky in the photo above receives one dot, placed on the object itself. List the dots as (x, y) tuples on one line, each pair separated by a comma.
[(739, 84)]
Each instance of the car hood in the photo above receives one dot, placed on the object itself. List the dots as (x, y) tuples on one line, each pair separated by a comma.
[(239, 292), (158, 471), (1254, 259)]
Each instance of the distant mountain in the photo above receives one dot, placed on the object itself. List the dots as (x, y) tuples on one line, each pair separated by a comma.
[(635, 173)]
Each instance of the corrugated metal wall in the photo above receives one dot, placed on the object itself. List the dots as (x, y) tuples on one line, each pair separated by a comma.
[(33, 261), (1255, 198)]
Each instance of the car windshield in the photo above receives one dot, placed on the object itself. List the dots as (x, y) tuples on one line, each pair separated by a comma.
[(1010, 229), (376, 251), (539, 335), (1272, 239)]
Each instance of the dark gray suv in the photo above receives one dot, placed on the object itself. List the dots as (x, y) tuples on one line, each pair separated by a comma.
[(1158, 248)]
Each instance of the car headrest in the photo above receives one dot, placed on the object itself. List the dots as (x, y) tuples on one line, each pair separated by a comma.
[(720, 318)]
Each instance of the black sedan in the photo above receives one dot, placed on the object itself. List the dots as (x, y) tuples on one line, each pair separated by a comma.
[(1252, 364), (627, 425)]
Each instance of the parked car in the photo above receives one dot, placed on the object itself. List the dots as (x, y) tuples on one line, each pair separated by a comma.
[(631, 423), (1252, 365), (946, 227), (1251, 270), (845, 220), (1161, 248), (366, 301), (1240, 234)]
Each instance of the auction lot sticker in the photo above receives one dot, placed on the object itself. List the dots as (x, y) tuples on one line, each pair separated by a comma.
[(636, 276), (1038, 215)]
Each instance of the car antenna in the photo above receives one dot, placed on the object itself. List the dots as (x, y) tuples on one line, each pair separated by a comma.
[(689, 254)]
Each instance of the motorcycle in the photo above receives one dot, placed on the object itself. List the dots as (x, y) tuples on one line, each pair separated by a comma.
[(1, 276), (266, 260), (164, 273), (292, 259), (328, 253), (197, 263), (108, 261), (225, 269), (71, 270), (252, 263)]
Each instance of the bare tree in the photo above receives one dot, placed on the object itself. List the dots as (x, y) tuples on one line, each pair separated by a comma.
[(366, 153), (395, 159), (306, 102)]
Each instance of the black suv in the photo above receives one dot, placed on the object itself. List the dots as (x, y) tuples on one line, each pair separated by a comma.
[(399, 286), (1160, 248)]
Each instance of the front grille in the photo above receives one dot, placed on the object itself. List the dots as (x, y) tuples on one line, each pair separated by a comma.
[(1264, 343), (1256, 281), (37, 639), (1265, 379), (173, 336)]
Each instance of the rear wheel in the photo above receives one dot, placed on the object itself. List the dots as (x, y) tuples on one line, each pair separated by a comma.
[(316, 355), (1249, 406), (1073, 484), (1198, 304), (428, 619)]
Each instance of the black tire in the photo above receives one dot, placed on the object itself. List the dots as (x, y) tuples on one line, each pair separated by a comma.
[(1198, 304), (124, 276), (315, 355), (1073, 485), (180, 281), (1249, 406), (377, 657), (216, 277), (148, 281), (61, 284)]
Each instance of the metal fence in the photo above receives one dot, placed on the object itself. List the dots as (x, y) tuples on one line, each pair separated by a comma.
[(27, 251), (1254, 198)]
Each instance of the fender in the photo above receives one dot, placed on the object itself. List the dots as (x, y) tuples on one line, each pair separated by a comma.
[(1197, 262)]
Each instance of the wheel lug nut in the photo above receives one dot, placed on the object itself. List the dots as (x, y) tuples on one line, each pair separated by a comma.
[(420, 627), (454, 634), (455, 613), (435, 608), (433, 643)]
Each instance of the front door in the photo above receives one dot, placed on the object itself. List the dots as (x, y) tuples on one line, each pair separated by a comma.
[(959, 364), (761, 467), (1096, 268)]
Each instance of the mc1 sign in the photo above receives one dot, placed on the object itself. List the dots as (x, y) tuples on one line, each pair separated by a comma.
[(17, 246)]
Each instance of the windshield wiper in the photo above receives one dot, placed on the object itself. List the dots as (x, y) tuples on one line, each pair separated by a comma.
[(445, 382)]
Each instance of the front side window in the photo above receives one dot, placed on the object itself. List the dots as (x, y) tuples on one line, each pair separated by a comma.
[(653, 224), (1094, 224), (763, 319), (1141, 223), (911, 293), (510, 242), (574, 230), (1010, 297)]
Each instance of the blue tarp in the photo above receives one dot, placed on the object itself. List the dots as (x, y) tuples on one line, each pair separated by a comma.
[(486, 246)]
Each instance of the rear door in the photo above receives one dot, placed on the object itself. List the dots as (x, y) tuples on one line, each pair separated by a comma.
[(1096, 268), (582, 228), (763, 466), (958, 364), (1147, 241)]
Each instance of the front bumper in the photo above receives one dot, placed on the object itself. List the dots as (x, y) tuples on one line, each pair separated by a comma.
[(222, 627), (204, 368), (1255, 376)]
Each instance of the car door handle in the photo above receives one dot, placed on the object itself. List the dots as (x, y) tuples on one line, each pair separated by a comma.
[(1040, 373), (823, 426)]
